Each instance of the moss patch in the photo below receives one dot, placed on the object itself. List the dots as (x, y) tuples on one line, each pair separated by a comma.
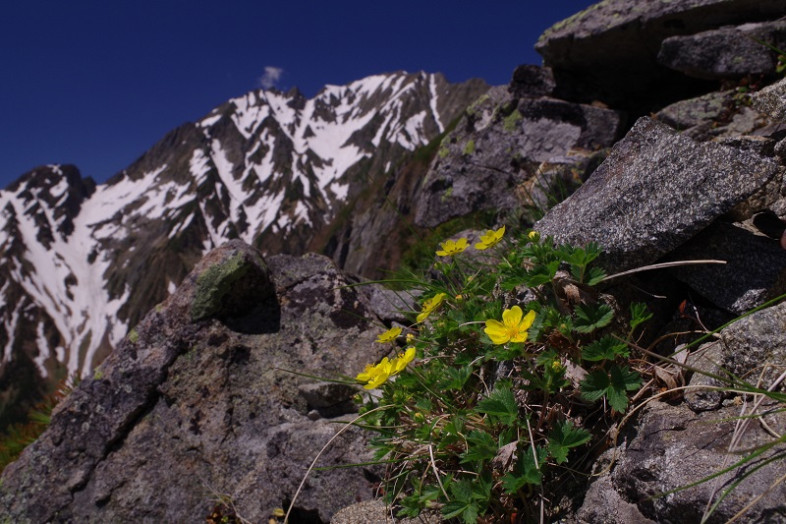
[(215, 284)]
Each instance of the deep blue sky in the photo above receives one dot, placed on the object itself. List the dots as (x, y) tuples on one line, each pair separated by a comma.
[(97, 82)]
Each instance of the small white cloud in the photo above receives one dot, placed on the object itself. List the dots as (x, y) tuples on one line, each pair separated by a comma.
[(271, 77)]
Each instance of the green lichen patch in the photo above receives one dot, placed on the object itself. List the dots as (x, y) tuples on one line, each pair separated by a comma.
[(511, 121), (215, 284)]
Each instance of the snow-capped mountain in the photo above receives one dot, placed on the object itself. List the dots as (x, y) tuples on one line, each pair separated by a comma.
[(81, 263)]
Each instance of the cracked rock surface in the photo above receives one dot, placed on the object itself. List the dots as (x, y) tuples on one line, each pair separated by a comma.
[(187, 413)]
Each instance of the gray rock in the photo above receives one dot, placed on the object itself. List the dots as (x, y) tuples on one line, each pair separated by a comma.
[(655, 190), (695, 111), (389, 305), (375, 512), (500, 144), (728, 52), (772, 101), (702, 395), (532, 81), (755, 269), (609, 50), (754, 347), (604, 505), (672, 447), (184, 414), (233, 287)]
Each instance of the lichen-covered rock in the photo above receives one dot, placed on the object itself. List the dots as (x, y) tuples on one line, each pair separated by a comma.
[(671, 447), (702, 394), (689, 113), (754, 272), (609, 50), (754, 347), (728, 52), (232, 287), (187, 413), (655, 190), (376, 512), (500, 144), (772, 101)]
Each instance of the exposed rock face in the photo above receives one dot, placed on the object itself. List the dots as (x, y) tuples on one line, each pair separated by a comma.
[(502, 143), (609, 51), (81, 263), (192, 407), (672, 447), (195, 406), (656, 190), (729, 52)]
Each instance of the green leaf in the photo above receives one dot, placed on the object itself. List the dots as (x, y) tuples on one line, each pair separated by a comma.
[(542, 274), (607, 348), (614, 384), (565, 436), (589, 318), (480, 447), (469, 498), (467, 510), (595, 385), (525, 472), (500, 404), (638, 315), (455, 378), (595, 275)]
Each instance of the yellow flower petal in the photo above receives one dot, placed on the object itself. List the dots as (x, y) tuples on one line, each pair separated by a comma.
[(512, 317), (490, 239), (365, 375), (513, 327), (389, 336), (528, 320), (496, 331), (453, 247), (401, 362), (430, 305)]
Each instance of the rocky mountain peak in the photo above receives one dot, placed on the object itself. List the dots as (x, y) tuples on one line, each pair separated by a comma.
[(86, 262)]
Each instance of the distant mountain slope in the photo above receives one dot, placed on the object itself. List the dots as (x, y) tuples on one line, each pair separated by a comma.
[(81, 263)]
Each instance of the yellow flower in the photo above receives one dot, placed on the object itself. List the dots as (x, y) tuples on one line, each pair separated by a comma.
[(556, 366), (410, 337), (513, 327), (375, 376), (533, 235), (402, 360), (490, 239), (389, 335), (450, 247), (430, 305)]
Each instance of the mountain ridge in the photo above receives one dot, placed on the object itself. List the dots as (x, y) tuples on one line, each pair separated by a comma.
[(83, 262)]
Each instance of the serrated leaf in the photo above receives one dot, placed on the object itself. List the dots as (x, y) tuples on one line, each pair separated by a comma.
[(595, 385), (606, 348), (638, 314), (614, 385), (525, 472), (480, 447), (589, 318), (565, 436), (500, 404), (595, 275), (467, 510)]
